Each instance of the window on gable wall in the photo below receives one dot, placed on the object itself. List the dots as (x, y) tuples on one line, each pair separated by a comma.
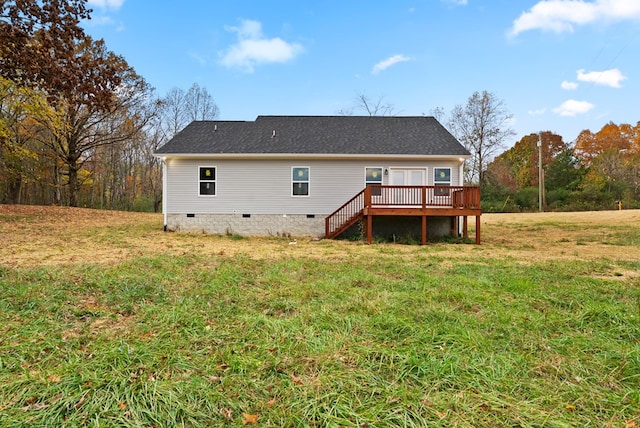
[(441, 177), (373, 177), (300, 181), (207, 181)]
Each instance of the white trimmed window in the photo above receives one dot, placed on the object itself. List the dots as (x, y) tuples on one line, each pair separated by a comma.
[(207, 181), (373, 177), (442, 177), (300, 181)]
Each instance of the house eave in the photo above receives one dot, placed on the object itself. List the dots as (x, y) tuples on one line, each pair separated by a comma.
[(308, 156)]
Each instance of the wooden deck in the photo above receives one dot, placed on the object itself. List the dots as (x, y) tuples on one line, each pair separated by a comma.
[(422, 201)]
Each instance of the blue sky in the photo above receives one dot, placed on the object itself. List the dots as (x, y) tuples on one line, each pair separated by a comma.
[(558, 65)]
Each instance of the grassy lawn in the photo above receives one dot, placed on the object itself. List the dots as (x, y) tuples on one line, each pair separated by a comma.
[(107, 321)]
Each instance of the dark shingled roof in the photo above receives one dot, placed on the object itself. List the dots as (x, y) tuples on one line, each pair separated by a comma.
[(349, 135)]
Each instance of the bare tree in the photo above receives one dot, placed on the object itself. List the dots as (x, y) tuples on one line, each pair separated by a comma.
[(173, 114), (372, 107), (438, 113), (482, 126), (178, 108), (200, 104)]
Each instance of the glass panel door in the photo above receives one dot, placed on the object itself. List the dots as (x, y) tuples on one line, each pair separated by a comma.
[(407, 177)]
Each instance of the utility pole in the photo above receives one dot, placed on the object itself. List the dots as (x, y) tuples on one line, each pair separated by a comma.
[(540, 183)]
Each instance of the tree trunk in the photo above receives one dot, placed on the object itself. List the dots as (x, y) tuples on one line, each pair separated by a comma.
[(57, 197), (14, 189), (73, 184)]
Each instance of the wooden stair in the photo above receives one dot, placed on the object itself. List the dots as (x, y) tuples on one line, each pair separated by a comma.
[(345, 216)]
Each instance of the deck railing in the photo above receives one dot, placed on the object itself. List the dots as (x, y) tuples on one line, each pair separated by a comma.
[(463, 197), (423, 196)]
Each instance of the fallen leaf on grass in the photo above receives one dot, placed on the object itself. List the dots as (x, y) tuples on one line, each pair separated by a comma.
[(249, 419), (570, 408), (271, 402), (227, 413), (82, 400), (122, 405), (36, 406), (295, 379), (54, 378)]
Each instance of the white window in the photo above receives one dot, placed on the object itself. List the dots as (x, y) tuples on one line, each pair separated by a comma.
[(373, 177), (207, 181), (441, 177), (300, 181)]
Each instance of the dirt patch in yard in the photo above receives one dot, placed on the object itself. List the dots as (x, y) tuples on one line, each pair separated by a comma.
[(42, 236)]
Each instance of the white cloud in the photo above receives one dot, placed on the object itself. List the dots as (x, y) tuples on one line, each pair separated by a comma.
[(537, 112), (253, 48), (383, 65), (611, 77), (573, 108), (106, 4), (569, 86), (562, 15), (102, 20)]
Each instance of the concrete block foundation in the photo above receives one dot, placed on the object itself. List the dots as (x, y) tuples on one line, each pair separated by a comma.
[(249, 224)]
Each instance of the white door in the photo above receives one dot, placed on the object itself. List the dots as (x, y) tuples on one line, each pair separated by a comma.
[(407, 177)]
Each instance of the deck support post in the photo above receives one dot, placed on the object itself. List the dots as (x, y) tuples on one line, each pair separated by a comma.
[(369, 227), (465, 230), (424, 230), (477, 230)]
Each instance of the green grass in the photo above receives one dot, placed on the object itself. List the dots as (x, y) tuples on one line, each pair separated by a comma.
[(402, 339)]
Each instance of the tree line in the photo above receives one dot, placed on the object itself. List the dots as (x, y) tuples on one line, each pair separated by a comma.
[(78, 125), (601, 170)]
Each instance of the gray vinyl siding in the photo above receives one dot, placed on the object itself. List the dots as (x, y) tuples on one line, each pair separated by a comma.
[(264, 186)]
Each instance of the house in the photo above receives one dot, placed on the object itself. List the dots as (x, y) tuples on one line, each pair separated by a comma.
[(317, 176)]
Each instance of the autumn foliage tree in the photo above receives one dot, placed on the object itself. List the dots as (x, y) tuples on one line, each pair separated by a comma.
[(612, 155), (112, 105), (38, 43), (98, 98), (601, 168), (516, 170), (21, 109), (514, 175), (622, 138), (78, 125)]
